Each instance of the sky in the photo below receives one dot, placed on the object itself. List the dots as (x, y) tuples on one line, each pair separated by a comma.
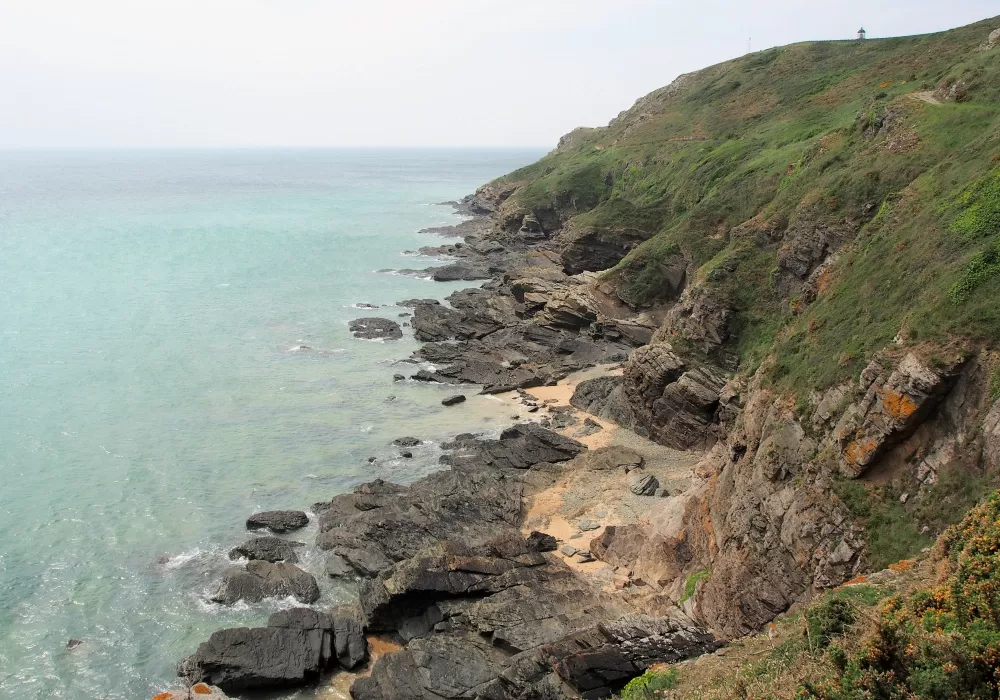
[(299, 73)]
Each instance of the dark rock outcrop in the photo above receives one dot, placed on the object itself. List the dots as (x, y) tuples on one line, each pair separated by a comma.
[(264, 579), (674, 404), (267, 549), (278, 520), (476, 500), (375, 329), (453, 400), (293, 650)]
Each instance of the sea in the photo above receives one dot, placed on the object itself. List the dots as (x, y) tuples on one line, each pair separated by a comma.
[(174, 356)]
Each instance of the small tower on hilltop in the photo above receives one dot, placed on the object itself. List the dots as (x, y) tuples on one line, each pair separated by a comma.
[(862, 34)]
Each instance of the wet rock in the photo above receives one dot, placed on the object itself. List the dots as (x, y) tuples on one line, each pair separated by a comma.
[(267, 549), (643, 484), (407, 442), (338, 567), (375, 329), (406, 454), (278, 520), (519, 447), (263, 657), (398, 377), (459, 271), (263, 579), (73, 643), (453, 400)]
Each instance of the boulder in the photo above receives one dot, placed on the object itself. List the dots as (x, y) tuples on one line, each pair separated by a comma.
[(453, 400), (541, 541), (267, 549), (263, 579), (293, 650), (643, 484), (375, 329), (258, 658), (407, 442), (278, 520)]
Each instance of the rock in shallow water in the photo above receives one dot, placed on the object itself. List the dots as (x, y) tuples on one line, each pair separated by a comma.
[(452, 400), (267, 549), (278, 520), (375, 329), (263, 579)]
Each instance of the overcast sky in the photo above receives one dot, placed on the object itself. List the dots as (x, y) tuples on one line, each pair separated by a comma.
[(171, 73)]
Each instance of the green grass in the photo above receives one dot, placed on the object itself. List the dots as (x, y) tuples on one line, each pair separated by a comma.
[(648, 685), (893, 533), (691, 584)]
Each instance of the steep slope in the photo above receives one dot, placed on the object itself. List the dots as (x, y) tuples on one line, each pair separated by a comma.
[(819, 227)]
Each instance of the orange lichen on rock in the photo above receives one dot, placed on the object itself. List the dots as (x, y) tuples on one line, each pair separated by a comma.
[(859, 452), (201, 689), (856, 580), (898, 406), (163, 696)]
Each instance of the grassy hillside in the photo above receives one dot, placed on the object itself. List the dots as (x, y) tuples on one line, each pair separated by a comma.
[(890, 148)]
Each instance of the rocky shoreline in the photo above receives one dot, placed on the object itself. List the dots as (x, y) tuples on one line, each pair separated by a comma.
[(608, 531), (479, 606)]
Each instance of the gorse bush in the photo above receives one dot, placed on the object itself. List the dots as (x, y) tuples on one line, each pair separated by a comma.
[(940, 642)]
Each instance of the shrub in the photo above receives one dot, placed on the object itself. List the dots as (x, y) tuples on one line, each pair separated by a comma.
[(646, 686)]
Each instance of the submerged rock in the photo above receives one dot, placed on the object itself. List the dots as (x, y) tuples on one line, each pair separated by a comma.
[(278, 520), (375, 329), (263, 579)]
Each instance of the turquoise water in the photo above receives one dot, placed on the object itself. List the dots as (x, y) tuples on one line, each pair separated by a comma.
[(151, 395)]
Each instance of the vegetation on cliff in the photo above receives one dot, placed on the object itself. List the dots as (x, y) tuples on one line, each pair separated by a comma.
[(755, 172)]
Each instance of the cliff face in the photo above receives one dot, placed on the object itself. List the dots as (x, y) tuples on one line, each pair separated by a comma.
[(816, 230)]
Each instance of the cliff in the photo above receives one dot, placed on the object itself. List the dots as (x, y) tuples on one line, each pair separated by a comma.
[(818, 227)]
